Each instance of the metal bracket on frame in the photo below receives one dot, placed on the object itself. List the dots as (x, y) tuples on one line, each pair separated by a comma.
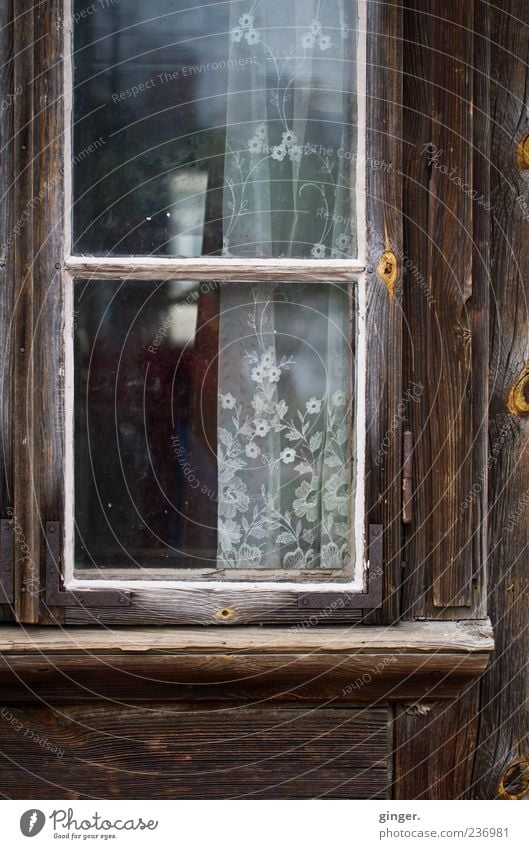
[(7, 568), (57, 596), (407, 477), (340, 600)]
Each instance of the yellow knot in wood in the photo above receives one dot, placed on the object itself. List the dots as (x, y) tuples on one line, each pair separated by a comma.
[(225, 613), (522, 153), (514, 783), (387, 270), (518, 400)]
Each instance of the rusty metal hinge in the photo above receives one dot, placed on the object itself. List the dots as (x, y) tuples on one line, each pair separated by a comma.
[(57, 596), (368, 600), (7, 570), (407, 477)]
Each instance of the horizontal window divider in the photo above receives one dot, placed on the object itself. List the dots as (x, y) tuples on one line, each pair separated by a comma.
[(213, 268)]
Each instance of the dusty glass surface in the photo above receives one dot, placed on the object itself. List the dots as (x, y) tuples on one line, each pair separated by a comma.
[(214, 429), (215, 128)]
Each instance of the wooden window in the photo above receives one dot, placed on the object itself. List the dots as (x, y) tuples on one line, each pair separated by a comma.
[(123, 325)]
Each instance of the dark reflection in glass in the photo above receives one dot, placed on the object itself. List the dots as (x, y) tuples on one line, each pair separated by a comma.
[(145, 424), (205, 128), (214, 429)]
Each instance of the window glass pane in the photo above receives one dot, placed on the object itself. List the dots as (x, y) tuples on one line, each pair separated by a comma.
[(225, 127), (214, 429)]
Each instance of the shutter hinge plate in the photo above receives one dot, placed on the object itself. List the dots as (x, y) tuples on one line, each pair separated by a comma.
[(407, 477), (367, 600), (57, 596), (7, 570)]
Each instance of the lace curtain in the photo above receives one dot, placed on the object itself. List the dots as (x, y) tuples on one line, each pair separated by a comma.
[(285, 450)]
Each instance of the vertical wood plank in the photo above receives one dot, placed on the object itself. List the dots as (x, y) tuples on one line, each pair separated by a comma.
[(446, 311), (25, 209), (479, 308), (504, 722), (48, 349), (384, 308), (7, 98), (38, 314), (450, 271), (417, 297)]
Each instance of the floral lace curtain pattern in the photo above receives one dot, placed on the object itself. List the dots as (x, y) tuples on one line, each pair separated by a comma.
[(291, 130), (285, 421)]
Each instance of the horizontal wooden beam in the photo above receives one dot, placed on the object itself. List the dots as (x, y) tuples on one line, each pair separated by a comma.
[(464, 636), (408, 662), (213, 268)]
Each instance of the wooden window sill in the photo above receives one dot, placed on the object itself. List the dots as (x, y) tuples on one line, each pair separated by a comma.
[(407, 662)]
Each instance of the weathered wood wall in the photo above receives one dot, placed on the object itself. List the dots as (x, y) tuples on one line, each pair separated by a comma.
[(434, 748), (7, 236), (496, 717), (459, 257), (504, 710), (447, 291)]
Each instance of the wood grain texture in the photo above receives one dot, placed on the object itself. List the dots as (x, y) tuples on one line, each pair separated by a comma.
[(38, 425), (320, 679), (504, 720), (195, 606), (321, 665), (479, 306), (384, 308), (450, 335), (466, 637), (446, 309), (48, 347), (26, 200), (164, 752), (203, 268), (434, 748), (7, 98)]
